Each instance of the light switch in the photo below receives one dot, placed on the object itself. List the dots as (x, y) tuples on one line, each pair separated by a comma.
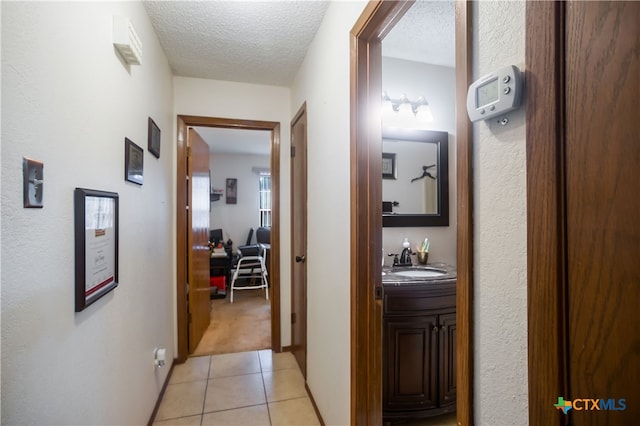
[(32, 182)]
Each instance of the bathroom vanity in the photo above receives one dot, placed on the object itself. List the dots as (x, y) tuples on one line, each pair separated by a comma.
[(419, 341)]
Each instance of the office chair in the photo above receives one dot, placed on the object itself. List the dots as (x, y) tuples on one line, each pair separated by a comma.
[(250, 266), (263, 235)]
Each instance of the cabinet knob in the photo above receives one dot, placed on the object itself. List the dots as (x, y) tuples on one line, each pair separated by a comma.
[(434, 329)]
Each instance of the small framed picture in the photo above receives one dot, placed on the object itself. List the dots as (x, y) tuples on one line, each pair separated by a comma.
[(154, 138), (96, 245), (232, 191), (133, 162), (388, 166)]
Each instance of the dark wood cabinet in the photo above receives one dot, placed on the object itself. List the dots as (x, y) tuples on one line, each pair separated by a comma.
[(419, 337)]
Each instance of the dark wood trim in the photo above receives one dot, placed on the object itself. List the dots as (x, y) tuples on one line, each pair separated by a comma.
[(154, 413), (374, 23), (185, 121), (315, 407), (181, 244), (464, 194), (546, 234)]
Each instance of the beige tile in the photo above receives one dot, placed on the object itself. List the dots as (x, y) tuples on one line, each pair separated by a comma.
[(271, 361), (284, 384), (194, 368), (297, 411), (181, 421), (225, 393), (258, 415), (181, 400), (234, 364)]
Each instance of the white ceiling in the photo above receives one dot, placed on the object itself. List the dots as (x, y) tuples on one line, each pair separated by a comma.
[(264, 42), (236, 141), (261, 42), (424, 34)]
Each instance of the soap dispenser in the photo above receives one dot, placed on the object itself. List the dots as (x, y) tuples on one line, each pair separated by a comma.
[(405, 258)]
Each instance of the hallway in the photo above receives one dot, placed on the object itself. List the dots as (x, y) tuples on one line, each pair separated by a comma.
[(246, 388)]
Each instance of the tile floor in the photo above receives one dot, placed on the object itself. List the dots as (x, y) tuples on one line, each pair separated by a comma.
[(247, 388)]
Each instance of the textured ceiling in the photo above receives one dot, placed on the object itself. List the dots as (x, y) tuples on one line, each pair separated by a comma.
[(246, 41), (264, 42), (424, 34)]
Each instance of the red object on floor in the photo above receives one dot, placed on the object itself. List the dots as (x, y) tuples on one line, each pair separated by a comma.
[(218, 281)]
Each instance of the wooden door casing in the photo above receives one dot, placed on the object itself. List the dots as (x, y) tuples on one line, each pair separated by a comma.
[(376, 20), (602, 83), (183, 122), (583, 235), (299, 238)]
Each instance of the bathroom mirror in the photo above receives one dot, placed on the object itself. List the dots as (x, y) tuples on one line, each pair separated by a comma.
[(415, 185)]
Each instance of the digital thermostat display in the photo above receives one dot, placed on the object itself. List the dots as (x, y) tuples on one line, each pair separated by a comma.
[(495, 94), (487, 93)]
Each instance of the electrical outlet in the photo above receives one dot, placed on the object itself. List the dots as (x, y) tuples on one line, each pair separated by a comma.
[(32, 183)]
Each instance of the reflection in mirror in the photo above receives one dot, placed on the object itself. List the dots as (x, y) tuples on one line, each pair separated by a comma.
[(415, 187)]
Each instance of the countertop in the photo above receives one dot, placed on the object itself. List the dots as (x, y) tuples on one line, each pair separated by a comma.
[(391, 279)]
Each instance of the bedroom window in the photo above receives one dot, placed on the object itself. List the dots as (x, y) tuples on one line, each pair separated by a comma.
[(265, 199)]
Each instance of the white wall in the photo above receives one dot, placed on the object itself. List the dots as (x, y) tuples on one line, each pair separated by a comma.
[(68, 101), (500, 233), (235, 220), (437, 84), (213, 98), (323, 82)]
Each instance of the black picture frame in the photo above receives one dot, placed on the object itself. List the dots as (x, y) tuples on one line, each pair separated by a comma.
[(389, 170), (96, 245), (232, 191), (154, 138), (133, 162)]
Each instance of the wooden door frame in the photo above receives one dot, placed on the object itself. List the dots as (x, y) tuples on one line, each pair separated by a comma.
[(301, 111), (185, 121), (546, 233), (374, 23)]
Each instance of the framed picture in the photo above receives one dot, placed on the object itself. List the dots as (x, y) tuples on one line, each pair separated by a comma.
[(388, 166), (154, 138), (232, 191), (133, 162), (96, 245)]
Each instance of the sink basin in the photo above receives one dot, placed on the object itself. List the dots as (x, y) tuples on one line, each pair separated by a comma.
[(421, 273)]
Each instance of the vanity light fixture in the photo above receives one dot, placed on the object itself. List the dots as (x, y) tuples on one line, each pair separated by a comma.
[(420, 108)]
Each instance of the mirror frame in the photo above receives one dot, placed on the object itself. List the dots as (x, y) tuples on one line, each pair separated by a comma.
[(441, 139)]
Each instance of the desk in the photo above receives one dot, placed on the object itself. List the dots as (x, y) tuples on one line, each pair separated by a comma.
[(220, 264)]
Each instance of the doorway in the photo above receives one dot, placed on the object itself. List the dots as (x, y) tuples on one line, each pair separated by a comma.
[(184, 123), (373, 25)]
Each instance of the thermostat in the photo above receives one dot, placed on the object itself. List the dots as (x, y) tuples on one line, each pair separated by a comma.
[(495, 94)]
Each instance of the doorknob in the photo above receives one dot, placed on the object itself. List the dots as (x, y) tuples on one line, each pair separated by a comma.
[(300, 259)]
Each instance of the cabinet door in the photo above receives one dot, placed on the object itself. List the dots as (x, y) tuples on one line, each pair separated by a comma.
[(447, 361), (410, 381)]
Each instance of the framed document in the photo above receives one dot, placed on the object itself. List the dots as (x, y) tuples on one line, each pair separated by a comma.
[(96, 245), (154, 138), (232, 191), (389, 166), (133, 162)]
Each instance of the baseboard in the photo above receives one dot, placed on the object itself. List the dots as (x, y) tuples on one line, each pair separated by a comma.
[(287, 348), (313, 402), (159, 400)]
